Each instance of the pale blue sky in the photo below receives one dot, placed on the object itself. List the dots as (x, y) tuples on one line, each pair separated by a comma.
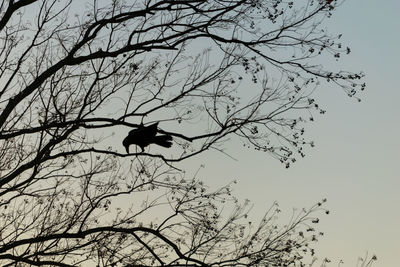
[(355, 162)]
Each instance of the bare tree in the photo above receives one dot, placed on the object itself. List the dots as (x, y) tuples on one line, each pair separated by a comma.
[(77, 76)]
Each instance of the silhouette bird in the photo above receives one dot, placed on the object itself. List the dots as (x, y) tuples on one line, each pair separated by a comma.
[(146, 135)]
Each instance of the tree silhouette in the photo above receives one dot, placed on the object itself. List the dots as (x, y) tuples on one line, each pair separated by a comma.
[(76, 76)]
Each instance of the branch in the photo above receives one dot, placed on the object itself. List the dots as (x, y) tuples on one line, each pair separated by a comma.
[(12, 7), (83, 234), (17, 259)]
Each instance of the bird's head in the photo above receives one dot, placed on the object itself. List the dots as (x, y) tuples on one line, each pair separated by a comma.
[(126, 145)]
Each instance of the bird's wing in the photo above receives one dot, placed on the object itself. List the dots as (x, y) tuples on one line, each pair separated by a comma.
[(151, 130), (144, 131)]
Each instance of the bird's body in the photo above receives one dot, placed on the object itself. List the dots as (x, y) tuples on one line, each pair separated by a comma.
[(146, 135)]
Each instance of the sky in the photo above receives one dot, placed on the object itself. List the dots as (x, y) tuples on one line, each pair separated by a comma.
[(354, 163)]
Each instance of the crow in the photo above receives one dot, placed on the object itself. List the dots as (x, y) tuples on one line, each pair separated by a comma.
[(146, 135)]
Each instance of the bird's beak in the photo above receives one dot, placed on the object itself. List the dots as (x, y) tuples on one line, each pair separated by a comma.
[(127, 149)]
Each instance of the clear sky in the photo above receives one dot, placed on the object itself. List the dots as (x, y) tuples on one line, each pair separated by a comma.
[(355, 161)]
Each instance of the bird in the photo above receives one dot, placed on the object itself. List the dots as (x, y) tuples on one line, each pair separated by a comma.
[(146, 135)]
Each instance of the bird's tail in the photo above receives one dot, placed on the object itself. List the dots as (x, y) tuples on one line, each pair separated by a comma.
[(163, 140)]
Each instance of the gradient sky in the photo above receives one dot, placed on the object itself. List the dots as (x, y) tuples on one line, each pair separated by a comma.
[(355, 161)]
